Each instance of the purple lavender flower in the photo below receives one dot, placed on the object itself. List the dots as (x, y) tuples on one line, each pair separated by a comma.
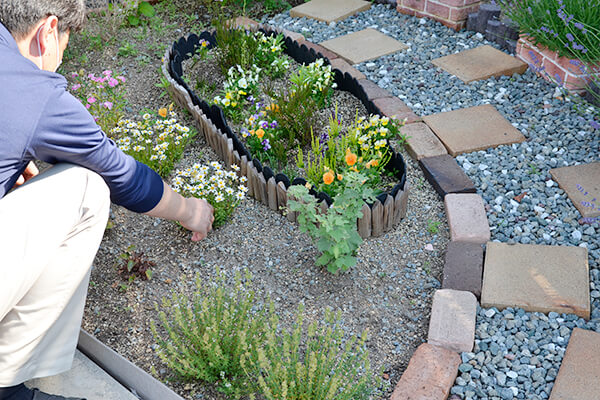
[(266, 144), (570, 37), (594, 124), (578, 25)]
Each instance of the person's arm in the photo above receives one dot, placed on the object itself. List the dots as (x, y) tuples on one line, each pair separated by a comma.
[(193, 214)]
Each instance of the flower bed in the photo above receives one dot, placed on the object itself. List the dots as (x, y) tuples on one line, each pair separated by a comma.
[(263, 183)]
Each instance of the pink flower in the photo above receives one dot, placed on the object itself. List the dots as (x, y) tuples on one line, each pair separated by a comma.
[(76, 86), (91, 99), (107, 72), (121, 78), (91, 76), (108, 104), (87, 106), (74, 74), (112, 82), (100, 86)]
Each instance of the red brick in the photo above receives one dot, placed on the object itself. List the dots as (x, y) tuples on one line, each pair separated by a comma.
[(430, 374), (394, 107), (459, 14), (469, 2), (372, 90), (418, 5), (553, 72), (452, 3), (320, 49), (405, 10), (343, 66), (574, 82), (456, 25), (437, 9)]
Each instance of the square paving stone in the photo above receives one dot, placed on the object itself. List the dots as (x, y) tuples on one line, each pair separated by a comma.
[(84, 379), (329, 10), (364, 45), (582, 184), (421, 141), (467, 218), (480, 63), (579, 374), (473, 129), (452, 321), (446, 176), (536, 278), (463, 267)]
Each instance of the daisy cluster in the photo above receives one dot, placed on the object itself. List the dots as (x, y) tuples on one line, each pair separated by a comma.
[(221, 188), (156, 141)]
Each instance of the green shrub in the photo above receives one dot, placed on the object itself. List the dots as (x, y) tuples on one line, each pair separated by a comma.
[(318, 78), (321, 367), (208, 334)]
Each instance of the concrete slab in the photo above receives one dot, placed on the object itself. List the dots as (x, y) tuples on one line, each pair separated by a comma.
[(467, 218), (536, 278), (579, 374), (452, 321), (463, 267), (472, 129), (329, 10), (445, 175), (421, 141), (430, 374), (364, 45), (479, 63), (582, 184), (86, 380)]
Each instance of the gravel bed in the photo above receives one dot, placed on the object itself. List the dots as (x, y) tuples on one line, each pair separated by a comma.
[(556, 136)]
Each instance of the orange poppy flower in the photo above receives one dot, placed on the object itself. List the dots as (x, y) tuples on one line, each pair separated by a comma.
[(340, 177), (260, 133), (162, 112), (328, 177), (350, 158)]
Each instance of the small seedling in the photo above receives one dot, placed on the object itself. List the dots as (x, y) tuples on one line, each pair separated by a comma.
[(134, 265), (127, 50), (433, 227), (138, 15), (533, 169)]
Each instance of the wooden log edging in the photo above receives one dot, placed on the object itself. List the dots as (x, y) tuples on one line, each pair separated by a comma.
[(267, 189)]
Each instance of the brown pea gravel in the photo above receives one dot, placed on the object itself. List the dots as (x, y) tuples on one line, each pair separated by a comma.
[(388, 292)]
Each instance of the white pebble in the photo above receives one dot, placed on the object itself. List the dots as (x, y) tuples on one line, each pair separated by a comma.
[(576, 235), (549, 183), (490, 313), (499, 200)]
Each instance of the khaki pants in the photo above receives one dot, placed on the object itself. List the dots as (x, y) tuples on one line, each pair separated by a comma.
[(50, 230)]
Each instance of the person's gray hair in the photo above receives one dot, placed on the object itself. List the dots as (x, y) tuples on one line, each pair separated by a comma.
[(20, 16)]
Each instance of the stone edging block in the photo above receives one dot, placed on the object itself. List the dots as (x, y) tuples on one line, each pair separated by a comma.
[(452, 322), (467, 218)]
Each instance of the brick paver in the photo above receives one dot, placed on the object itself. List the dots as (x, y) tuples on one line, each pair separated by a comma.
[(329, 10), (467, 218), (463, 267), (579, 374), (472, 129), (582, 184), (479, 63), (452, 321), (430, 374), (344, 67), (394, 107), (445, 175), (364, 45), (421, 141), (537, 278)]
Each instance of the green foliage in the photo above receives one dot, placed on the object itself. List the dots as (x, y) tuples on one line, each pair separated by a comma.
[(222, 189), (240, 84), (140, 14), (127, 49), (333, 232), (318, 78), (135, 264), (433, 227), (207, 334), (323, 366), (533, 169), (157, 140), (101, 95)]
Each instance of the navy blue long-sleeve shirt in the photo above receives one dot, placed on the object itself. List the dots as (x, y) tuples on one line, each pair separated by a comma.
[(40, 120)]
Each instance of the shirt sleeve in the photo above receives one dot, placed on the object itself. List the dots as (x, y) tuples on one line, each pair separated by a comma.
[(66, 132)]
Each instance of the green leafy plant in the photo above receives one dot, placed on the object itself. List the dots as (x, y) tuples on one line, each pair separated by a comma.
[(140, 13), (433, 226), (533, 169), (222, 189), (101, 95), (321, 366), (208, 333), (134, 264), (239, 85), (127, 50), (157, 140), (318, 77), (333, 232)]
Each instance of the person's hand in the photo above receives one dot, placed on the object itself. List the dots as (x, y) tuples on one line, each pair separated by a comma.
[(200, 218), (30, 171)]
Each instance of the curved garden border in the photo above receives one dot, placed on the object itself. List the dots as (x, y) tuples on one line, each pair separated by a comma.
[(263, 184)]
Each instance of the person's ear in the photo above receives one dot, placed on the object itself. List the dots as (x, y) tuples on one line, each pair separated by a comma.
[(45, 34)]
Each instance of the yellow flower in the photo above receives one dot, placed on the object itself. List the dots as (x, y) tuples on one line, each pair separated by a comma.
[(228, 96), (162, 112), (171, 107), (384, 121), (260, 133), (328, 177), (350, 158)]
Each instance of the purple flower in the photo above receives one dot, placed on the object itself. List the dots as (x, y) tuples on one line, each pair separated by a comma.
[(251, 99), (266, 144), (530, 10), (274, 124), (108, 105), (264, 124), (594, 124), (112, 82), (578, 25), (91, 99), (570, 37), (76, 86)]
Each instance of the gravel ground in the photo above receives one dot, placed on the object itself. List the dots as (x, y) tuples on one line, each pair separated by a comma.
[(389, 291), (556, 136)]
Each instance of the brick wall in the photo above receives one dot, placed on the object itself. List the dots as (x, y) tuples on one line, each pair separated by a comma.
[(550, 66), (452, 13)]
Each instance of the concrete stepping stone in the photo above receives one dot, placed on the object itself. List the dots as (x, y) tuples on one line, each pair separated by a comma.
[(430, 374), (467, 218), (421, 141), (480, 63), (536, 278), (329, 10), (446, 176), (473, 129), (463, 267), (85, 380), (452, 321), (364, 45), (579, 374), (582, 184)]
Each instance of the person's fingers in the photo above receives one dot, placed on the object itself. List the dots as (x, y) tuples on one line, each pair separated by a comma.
[(20, 180), (32, 170)]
